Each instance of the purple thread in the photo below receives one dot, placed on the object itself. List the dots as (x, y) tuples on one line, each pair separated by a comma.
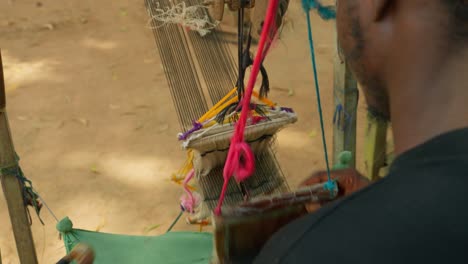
[(287, 109), (196, 126)]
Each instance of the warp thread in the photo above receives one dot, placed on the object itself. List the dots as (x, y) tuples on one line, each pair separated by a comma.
[(188, 17)]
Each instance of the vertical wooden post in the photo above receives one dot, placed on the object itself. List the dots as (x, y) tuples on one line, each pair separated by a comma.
[(375, 148), (345, 94), (12, 188)]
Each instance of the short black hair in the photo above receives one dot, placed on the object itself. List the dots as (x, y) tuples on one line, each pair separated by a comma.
[(458, 21)]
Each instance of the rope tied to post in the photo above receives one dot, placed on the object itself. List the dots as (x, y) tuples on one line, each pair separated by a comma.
[(30, 197)]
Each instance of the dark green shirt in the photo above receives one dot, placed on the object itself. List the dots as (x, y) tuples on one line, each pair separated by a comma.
[(417, 214)]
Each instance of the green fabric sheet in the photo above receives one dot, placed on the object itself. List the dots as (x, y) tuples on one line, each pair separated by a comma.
[(170, 248)]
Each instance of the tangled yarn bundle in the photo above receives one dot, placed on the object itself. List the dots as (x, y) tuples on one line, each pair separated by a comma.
[(189, 17)]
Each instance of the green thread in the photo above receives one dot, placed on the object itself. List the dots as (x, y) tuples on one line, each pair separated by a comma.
[(175, 222)]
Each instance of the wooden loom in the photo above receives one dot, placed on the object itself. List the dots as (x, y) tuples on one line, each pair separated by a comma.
[(197, 77)]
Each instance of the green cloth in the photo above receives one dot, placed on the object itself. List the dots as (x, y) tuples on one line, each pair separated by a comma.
[(170, 248)]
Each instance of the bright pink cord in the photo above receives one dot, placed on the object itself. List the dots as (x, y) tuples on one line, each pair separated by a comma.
[(239, 148), (189, 201)]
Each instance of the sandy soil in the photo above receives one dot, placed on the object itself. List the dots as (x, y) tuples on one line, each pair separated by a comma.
[(92, 119)]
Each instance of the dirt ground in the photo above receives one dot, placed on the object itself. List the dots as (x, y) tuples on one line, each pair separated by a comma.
[(93, 123)]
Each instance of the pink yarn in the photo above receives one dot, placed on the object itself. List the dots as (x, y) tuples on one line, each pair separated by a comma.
[(239, 149), (189, 201), (240, 170)]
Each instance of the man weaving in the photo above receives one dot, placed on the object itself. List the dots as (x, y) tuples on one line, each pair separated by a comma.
[(411, 58)]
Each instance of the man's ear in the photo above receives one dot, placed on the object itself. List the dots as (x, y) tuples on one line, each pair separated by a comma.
[(380, 8)]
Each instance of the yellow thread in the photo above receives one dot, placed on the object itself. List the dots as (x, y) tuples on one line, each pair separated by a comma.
[(210, 114), (223, 103), (180, 183), (263, 99)]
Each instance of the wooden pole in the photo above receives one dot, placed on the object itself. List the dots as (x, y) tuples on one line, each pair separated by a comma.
[(375, 147), (345, 94), (12, 188)]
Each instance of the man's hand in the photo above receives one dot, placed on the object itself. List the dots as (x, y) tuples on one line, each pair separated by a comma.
[(348, 180)]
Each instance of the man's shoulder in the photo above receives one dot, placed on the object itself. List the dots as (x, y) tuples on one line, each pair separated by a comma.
[(422, 205)]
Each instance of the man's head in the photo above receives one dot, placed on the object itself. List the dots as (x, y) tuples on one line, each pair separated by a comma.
[(371, 32)]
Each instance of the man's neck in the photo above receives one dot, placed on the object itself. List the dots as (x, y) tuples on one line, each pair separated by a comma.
[(428, 99)]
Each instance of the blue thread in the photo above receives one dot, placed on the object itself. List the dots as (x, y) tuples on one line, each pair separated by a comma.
[(330, 185), (337, 115), (325, 12), (341, 118)]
